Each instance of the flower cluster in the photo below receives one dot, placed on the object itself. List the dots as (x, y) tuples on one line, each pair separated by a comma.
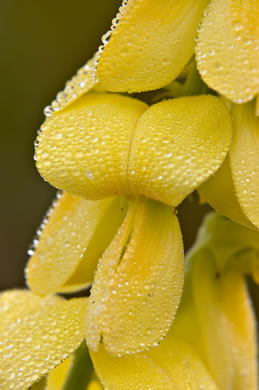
[(125, 160)]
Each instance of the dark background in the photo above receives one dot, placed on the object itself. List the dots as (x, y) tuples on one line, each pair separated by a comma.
[(42, 44)]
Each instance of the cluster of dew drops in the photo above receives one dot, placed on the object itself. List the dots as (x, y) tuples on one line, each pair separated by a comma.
[(44, 222)]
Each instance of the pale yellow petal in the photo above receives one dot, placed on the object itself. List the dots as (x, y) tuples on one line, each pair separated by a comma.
[(257, 106), (177, 145), (232, 244), (36, 334), (219, 192), (84, 148), (139, 281), (227, 324), (94, 385), (227, 50), (136, 372), (215, 338), (244, 160), (57, 377), (237, 307), (182, 363), (150, 45), (173, 365), (73, 239)]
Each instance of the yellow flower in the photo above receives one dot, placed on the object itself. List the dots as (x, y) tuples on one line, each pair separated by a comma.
[(105, 146), (152, 41), (144, 50), (238, 177), (36, 334), (211, 344)]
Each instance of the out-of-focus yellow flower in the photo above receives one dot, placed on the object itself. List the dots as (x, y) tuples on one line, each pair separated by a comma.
[(107, 145), (36, 334), (212, 342), (234, 189), (151, 42), (74, 373)]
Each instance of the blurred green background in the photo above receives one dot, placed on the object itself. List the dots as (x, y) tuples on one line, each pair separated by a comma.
[(43, 43)]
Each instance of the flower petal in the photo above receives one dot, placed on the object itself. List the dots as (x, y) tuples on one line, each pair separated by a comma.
[(224, 308), (74, 238), (227, 50), (216, 304), (229, 242), (139, 282), (84, 148), (244, 159), (238, 309), (222, 183), (177, 145), (182, 363), (173, 365), (163, 154), (137, 372), (257, 106), (37, 334), (94, 385), (57, 377), (150, 45)]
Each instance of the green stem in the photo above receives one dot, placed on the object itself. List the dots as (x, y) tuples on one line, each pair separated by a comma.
[(81, 370)]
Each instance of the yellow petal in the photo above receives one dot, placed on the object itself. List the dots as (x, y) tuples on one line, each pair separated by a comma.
[(84, 148), (36, 334), (74, 238), (257, 106), (228, 341), (177, 145), (215, 343), (136, 372), (221, 183), (57, 377), (81, 83), (227, 50), (163, 154), (139, 282), (231, 244), (244, 160), (237, 307), (173, 365), (150, 45), (74, 371), (182, 363), (94, 385)]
